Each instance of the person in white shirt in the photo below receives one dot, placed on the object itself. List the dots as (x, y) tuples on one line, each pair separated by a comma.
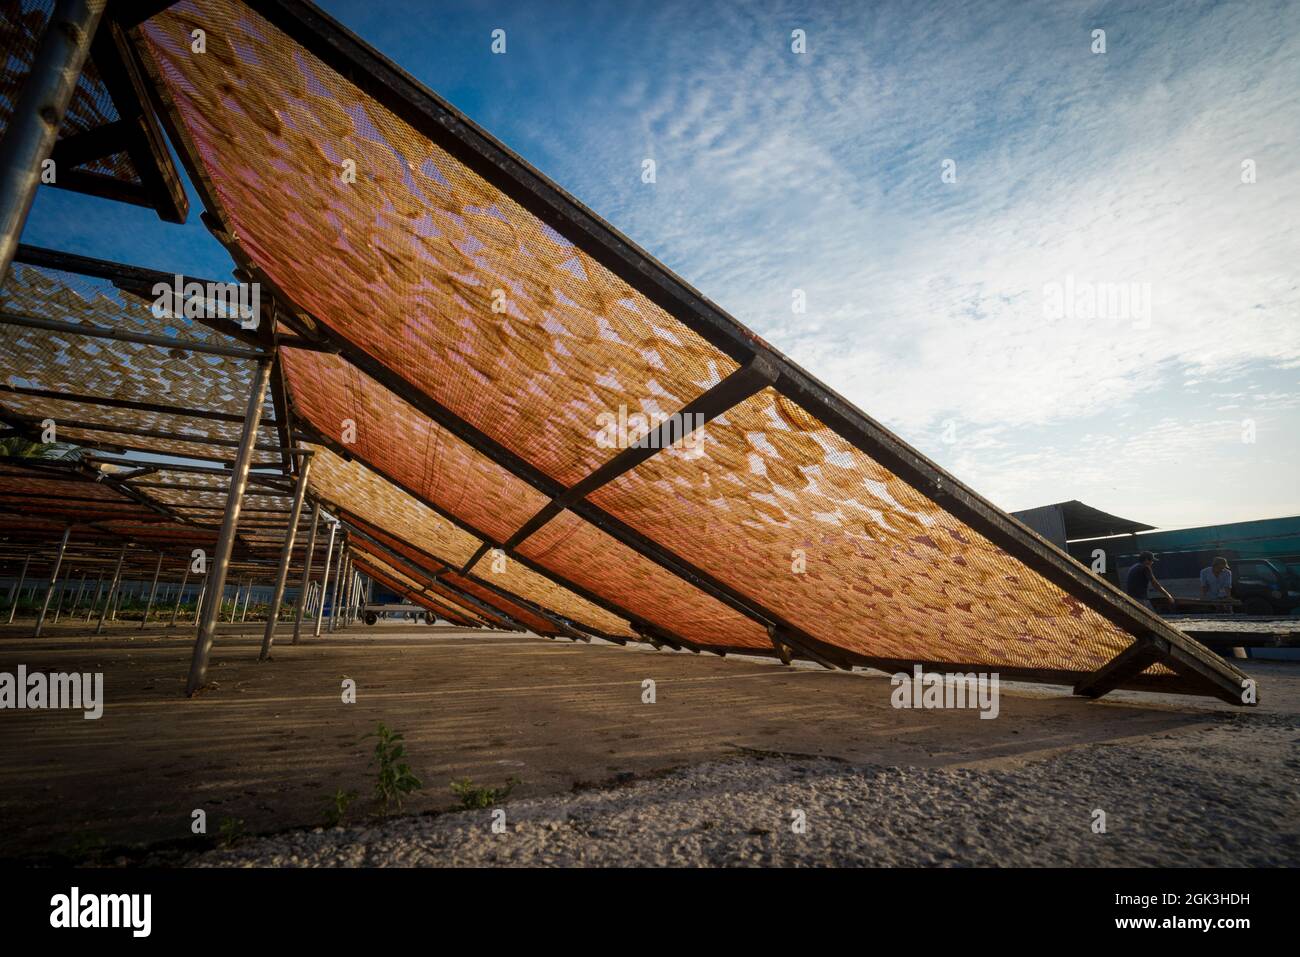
[(1216, 581)]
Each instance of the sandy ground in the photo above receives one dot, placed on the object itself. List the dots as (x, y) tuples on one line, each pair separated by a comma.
[(1168, 802), (710, 773)]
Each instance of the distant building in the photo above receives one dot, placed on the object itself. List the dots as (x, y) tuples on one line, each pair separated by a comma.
[(1264, 555), (1066, 522)]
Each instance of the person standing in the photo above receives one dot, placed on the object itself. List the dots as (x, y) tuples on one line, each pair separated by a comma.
[(1141, 579), (1216, 581)]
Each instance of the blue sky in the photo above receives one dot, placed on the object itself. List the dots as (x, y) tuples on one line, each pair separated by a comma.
[(821, 172)]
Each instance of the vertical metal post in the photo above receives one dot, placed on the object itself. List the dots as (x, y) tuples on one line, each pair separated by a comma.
[(112, 590), (81, 591), (63, 593), (198, 602), (22, 577), (305, 584), (180, 593), (153, 590), (38, 114), (54, 580), (229, 523), (338, 583), (99, 588), (282, 574), (346, 611), (248, 597), (324, 578)]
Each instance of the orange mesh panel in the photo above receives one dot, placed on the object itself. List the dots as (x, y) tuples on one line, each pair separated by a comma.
[(410, 447), (533, 622), (588, 557), (364, 492), (889, 572), (432, 567), (382, 504), (421, 262), (61, 362), (512, 576), (407, 263)]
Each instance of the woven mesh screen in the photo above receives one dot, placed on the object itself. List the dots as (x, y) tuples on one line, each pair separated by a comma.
[(533, 622), (888, 572), (503, 321), (509, 574), (588, 557), (32, 492), (413, 450), (433, 567), (22, 24), (407, 587), (384, 505), (454, 286), (134, 372)]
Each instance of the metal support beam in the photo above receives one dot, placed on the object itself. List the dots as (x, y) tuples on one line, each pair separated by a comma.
[(76, 599), (338, 581), (286, 556), (112, 590), (153, 590), (38, 114), (180, 593), (1132, 661), (757, 374), (54, 580), (18, 589), (94, 602), (229, 525), (325, 577), (122, 335)]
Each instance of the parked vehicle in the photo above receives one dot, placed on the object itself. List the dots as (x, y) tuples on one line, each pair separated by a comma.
[(1265, 586), (372, 613)]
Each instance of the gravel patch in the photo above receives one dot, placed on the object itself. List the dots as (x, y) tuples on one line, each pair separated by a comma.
[(1221, 794)]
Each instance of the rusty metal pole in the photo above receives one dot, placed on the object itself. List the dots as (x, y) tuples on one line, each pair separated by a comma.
[(94, 602), (18, 589), (229, 524), (54, 580), (180, 593), (153, 590), (112, 590), (324, 579), (38, 114), (282, 575), (338, 581), (305, 586)]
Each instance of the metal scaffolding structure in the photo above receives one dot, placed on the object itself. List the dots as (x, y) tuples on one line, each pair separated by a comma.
[(448, 443)]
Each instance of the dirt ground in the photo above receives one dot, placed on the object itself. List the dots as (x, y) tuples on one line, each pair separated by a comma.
[(706, 774)]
